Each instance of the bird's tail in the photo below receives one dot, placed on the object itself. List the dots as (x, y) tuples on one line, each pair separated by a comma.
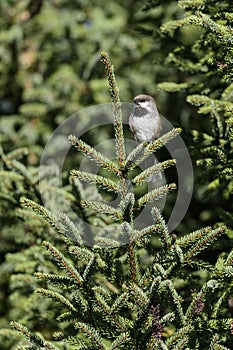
[(158, 176)]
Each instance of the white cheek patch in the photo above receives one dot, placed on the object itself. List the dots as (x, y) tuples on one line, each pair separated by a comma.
[(144, 104)]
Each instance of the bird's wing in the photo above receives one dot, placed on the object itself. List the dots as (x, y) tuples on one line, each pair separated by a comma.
[(158, 130), (131, 123)]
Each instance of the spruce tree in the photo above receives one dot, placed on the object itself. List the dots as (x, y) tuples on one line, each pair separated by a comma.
[(192, 54), (146, 294)]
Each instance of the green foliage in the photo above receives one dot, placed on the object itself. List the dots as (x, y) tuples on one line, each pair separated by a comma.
[(204, 56), (129, 296), (158, 291), (48, 57)]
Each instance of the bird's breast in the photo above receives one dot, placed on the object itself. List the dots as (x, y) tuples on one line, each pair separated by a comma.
[(145, 127)]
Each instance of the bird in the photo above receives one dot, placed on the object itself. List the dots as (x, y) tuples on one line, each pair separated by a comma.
[(145, 123)]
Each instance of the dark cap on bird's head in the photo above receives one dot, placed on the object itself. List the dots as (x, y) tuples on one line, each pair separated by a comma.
[(143, 98)]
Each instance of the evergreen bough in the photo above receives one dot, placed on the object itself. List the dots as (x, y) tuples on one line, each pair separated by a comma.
[(145, 294), (203, 61)]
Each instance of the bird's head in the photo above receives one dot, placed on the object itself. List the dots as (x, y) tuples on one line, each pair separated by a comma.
[(144, 102)]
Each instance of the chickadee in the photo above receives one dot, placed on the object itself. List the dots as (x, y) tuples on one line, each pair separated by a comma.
[(145, 121)]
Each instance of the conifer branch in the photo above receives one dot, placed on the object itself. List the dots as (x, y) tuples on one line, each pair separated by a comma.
[(223, 32), (70, 230), (217, 346), (170, 26), (218, 304), (161, 141), (160, 345), (78, 187), (145, 233), (17, 153), (88, 268), (156, 194), (32, 337), (45, 213), (66, 316), (197, 305), (107, 242), (119, 303), (192, 237), (57, 297), (153, 170), (178, 335), (135, 295), (102, 208), (229, 260), (177, 252), (162, 228), (103, 291), (127, 207), (176, 300), (122, 339), (214, 345), (192, 5), (172, 87), (133, 263), (214, 152), (84, 254), (159, 270), (203, 20), (168, 318), (8, 197), (55, 279), (140, 297), (9, 176), (79, 194), (127, 232), (204, 242), (116, 105), (100, 300), (132, 158), (182, 344), (144, 150), (92, 334), (81, 253), (64, 263), (22, 169), (91, 153), (97, 179)]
